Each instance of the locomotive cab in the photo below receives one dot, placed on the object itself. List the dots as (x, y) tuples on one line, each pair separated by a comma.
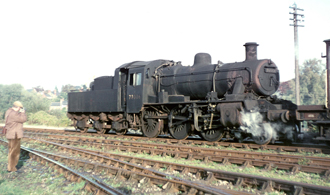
[(165, 97)]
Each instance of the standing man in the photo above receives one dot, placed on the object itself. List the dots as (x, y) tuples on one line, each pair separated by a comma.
[(14, 117)]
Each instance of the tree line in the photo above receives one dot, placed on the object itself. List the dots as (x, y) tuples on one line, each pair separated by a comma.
[(36, 106), (312, 77)]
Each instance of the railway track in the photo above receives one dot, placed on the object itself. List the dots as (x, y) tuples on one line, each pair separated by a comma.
[(129, 171), (266, 184), (120, 170), (197, 142), (291, 163), (177, 149), (96, 187)]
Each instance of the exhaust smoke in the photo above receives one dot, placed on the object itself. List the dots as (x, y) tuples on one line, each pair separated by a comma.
[(253, 122)]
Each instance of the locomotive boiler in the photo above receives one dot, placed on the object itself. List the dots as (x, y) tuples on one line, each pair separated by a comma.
[(214, 101)]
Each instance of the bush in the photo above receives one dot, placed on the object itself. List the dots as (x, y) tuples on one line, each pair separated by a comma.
[(44, 118)]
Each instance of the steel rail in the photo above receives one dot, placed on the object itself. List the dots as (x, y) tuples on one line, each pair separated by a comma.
[(71, 174), (176, 182), (298, 149), (245, 161), (200, 152), (266, 184), (170, 185)]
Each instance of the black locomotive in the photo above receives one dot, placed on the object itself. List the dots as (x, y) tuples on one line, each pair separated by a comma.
[(213, 101)]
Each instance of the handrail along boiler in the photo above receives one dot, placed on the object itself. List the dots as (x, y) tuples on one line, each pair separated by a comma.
[(214, 101)]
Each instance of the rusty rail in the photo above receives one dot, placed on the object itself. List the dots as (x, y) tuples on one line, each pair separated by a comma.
[(129, 170), (266, 184), (70, 174), (281, 161), (318, 149)]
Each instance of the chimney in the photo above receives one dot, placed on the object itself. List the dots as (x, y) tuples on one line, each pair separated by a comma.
[(251, 51)]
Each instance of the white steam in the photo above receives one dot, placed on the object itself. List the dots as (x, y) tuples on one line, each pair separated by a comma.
[(253, 123)]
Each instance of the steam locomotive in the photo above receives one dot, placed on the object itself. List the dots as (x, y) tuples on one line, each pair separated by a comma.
[(214, 101)]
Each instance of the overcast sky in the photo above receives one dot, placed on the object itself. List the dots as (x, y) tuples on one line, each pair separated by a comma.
[(53, 43)]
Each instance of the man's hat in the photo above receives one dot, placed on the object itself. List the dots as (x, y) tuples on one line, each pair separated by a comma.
[(18, 104)]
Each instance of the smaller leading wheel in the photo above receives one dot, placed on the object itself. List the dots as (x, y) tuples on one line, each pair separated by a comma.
[(265, 135)]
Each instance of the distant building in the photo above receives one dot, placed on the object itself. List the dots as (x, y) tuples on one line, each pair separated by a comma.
[(59, 105), (44, 93)]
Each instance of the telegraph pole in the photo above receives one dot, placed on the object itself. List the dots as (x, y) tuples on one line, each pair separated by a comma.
[(296, 51)]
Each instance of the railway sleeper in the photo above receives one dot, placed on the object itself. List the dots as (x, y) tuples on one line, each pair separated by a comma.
[(225, 161), (156, 166), (298, 190), (185, 171), (119, 176), (170, 188), (210, 178), (327, 173), (269, 167), (267, 186), (282, 187), (295, 169), (247, 164), (133, 178), (239, 182), (285, 167), (190, 157), (68, 174), (191, 191), (144, 180)]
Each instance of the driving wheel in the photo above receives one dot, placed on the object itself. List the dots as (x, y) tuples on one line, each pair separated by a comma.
[(181, 131), (213, 135), (151, 127)]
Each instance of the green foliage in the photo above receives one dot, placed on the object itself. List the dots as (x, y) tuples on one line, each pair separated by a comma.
[(8, 95), (36, 106), (44, 118), (312, 84), (33, 102), (41, 118)]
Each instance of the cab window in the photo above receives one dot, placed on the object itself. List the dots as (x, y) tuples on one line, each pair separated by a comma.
[(138, 79), (135, 79)]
